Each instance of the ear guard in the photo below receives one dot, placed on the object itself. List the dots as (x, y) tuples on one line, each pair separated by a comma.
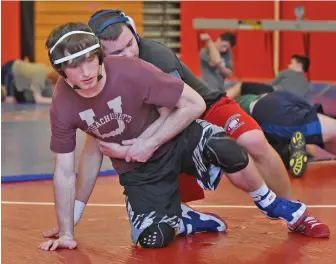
[(123, 18)]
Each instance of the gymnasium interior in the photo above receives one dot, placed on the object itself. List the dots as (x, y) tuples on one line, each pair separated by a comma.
[(268, 33)]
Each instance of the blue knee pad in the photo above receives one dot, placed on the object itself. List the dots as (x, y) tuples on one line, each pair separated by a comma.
[(224, 152), (157, 236)]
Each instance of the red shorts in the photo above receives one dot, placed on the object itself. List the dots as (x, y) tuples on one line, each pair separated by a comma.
[(225, 113)]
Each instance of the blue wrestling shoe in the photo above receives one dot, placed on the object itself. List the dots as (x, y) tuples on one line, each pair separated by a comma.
[(196, 222), (294, 213)]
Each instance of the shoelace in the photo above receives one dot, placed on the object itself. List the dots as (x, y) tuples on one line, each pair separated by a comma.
[(310, 220)]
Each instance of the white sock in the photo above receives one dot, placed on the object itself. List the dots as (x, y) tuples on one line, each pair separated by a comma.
[(260, 197), (181, 228), (78, 211)]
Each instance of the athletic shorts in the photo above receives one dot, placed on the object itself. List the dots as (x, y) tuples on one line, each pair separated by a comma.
[(280, 114), (228, 114), (158, 201)]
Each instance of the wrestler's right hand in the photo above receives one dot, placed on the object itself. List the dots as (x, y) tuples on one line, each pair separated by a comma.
[(78, 211), (64, 241), (205, 37)]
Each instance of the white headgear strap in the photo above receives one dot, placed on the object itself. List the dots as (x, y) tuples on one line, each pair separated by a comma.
[(77, 54)]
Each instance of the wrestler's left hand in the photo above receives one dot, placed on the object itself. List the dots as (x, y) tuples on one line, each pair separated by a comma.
[(63, 242), (141, 149)]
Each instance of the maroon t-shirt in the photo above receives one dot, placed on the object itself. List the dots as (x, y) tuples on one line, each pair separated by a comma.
[(125, 107)]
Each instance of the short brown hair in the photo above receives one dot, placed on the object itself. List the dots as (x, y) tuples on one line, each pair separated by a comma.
[(111, 32), (71, 44), (303, 60), (229, 37)]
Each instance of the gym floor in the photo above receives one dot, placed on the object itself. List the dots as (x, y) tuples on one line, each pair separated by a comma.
[(103, 234)]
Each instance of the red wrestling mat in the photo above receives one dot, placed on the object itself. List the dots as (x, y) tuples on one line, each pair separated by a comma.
[(103, 233)]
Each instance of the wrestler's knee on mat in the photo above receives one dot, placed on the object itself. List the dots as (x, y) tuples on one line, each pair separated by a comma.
[(157, 236), (224, 152)]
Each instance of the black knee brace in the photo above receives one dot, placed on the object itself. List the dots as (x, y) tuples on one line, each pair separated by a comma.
[(224, 152), (157, 236)]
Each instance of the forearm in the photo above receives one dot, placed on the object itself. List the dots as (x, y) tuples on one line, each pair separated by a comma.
[(120, 151), (114, 150), (89, 167), (41, 100), (152, 128), (176, 122), (214, 55), (227, 72), (164, 113), (64, 191)]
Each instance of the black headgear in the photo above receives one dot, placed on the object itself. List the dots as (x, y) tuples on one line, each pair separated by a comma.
[(114, 20)]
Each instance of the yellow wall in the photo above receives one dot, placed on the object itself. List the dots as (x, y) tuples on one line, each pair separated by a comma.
[(49, 14)]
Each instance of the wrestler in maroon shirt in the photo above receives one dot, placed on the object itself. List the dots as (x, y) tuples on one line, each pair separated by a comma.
[(120, 99)]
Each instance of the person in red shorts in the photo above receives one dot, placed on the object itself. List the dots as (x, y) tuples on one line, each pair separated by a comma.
[(118, 37)]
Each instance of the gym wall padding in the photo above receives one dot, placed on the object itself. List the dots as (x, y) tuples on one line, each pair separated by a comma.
[(322, 45), (49, 14), (10, 31), (252, 56), (249, 54)]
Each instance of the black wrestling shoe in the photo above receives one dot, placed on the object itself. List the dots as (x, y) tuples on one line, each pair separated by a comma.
[(298, 159)]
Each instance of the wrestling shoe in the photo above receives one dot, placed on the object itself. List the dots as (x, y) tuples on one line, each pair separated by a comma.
[(196, 222), (293, 213), (312, 227), (298, 159)]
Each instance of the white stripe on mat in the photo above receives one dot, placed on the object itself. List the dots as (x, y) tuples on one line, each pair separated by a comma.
[(329, 206)]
